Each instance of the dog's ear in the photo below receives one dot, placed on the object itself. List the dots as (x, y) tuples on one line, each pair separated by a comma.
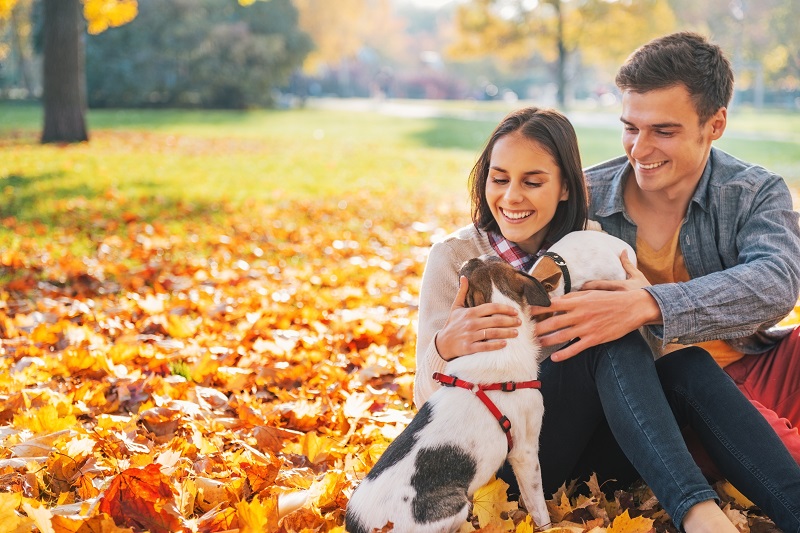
[(479, 290), (534, 291), (548, 273), (469, 266)]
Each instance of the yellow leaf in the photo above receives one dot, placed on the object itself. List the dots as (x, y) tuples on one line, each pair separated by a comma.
[(41, 516), (526, 526), (625, 524), (46, 418), (104, 14), (258, 516), (734, 493), (180, 327), (558, 510), (315, 447), (9, 517), (490, 501)]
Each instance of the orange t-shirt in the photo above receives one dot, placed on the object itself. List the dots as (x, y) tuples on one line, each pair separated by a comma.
[(667, 266)]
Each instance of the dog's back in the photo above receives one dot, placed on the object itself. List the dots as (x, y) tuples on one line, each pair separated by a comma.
[(589, 255)]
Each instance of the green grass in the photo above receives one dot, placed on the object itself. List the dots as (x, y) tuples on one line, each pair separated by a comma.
[(158, 160)]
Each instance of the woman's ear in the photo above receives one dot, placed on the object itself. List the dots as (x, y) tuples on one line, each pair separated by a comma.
[(564, 193)]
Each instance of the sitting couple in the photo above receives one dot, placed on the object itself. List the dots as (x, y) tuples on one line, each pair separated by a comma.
[(718, 249)]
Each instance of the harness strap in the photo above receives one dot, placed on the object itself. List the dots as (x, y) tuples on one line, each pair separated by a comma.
[(561, 264), (506, 386)]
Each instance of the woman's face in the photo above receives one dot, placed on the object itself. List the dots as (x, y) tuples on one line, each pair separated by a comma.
[(523, 190)]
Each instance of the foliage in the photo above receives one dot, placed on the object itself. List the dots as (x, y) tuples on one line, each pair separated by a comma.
[(210, 365), (294, 326), (515, 30), (760, 36), (196, 53)]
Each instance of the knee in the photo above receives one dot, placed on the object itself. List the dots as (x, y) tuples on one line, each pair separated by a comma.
[(688, 368)]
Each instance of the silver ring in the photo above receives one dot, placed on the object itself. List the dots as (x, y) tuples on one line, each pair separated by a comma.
[(484, 334)]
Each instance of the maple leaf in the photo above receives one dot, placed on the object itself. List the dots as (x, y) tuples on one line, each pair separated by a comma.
[(559, 506), (11, 520), (143, 498), (258, 515), (490, 502), (101, 523), (625, 524)]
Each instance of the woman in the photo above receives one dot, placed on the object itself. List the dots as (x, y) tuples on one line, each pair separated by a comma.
[(527, 191)]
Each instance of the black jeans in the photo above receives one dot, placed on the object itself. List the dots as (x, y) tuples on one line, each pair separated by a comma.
[(614, 411)]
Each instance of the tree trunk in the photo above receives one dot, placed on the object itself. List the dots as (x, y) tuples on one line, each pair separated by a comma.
[(64, 75)]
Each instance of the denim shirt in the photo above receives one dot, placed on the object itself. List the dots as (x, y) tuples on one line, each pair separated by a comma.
[(740, 240)]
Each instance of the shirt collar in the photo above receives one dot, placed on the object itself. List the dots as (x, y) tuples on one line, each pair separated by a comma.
[(512, 254)]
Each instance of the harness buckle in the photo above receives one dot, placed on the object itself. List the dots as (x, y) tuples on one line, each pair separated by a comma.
[(505, 423), (508, 386)]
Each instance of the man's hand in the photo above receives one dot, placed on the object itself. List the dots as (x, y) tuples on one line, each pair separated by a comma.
[(470, 330), (606, 313)]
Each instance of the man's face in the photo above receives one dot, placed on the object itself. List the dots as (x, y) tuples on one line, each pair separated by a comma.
[(664, 140)]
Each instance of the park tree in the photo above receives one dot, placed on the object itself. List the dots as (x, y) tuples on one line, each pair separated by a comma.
[(196, 53), (64, 85), (558, 31), (64, 92)]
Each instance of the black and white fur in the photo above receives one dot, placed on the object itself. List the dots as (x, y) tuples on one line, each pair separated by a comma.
[(425, 480)]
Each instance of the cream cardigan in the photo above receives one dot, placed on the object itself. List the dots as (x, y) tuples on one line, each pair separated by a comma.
[(437, 293)]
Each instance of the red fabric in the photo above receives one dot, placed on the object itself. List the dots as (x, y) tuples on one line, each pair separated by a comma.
[(771, 381)]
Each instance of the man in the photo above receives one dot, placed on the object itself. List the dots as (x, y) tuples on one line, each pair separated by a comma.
[(716, 237)]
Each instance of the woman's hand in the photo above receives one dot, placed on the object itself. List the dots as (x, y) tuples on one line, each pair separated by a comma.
[(470, 330)]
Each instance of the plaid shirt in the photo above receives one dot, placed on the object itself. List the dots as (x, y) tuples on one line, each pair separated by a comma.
[(512, 253)]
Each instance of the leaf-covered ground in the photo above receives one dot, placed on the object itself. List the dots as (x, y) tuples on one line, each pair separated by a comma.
[(226, 368)]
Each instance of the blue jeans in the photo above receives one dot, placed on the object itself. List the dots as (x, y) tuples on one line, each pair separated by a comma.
[(615, 393)]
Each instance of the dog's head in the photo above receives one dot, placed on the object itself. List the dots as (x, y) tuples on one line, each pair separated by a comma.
[(488, 272)]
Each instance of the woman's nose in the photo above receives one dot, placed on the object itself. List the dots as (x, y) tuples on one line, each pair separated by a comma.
[(514, 193)]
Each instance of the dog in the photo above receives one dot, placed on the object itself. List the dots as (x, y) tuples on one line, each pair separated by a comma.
[(581, 256), (424, 481)]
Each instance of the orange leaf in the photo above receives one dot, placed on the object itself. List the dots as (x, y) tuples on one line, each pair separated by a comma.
[(217, 520), (143, 498)]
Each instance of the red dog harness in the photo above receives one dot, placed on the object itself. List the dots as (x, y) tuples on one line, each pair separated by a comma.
[(506, 386)]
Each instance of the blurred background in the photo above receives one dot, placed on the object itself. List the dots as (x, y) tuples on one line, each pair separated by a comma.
[(280, 53)]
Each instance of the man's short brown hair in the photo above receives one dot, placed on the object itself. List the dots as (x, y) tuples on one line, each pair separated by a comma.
[(682, 58)]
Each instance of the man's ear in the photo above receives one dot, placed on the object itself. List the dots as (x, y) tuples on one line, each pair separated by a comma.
[(718, 122)]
